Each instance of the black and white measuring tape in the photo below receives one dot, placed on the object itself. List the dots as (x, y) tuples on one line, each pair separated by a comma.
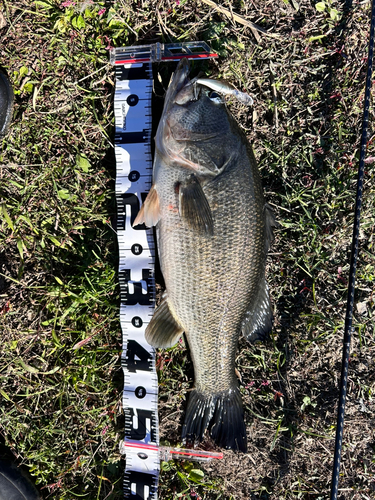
[(133, 114)]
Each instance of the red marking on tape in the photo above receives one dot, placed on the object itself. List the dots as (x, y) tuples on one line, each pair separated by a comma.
[(188, 56), (190, 454), (133, 61), (141, 445)]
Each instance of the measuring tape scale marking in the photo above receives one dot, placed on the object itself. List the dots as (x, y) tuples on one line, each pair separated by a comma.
[(133, 71), (132, 109)]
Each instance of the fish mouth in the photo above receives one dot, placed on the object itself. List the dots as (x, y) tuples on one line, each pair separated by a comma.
[(182, 89), (173, 135), (164, 137), (179, 82)]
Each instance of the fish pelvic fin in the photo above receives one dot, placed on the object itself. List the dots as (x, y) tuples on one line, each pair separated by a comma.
[(163, 330), (221, 414), (194, 206), (257, 323), (150, 210)]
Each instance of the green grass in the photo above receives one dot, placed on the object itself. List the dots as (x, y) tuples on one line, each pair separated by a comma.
[(60, 375)]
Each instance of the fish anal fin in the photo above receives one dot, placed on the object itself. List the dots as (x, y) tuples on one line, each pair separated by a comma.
[(163, 329), (194, 207), (257, 323), (150, 210)]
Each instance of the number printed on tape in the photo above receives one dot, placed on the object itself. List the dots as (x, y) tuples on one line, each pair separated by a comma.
[(132, 108)]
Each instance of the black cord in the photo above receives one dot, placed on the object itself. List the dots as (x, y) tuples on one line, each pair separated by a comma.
[(353, 265)]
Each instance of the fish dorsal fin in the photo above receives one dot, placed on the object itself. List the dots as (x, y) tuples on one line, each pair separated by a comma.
[(258, 319), (163, 329), (194, 207), (150, 210)]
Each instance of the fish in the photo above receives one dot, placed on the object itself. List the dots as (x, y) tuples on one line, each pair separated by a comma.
[(213, 231)]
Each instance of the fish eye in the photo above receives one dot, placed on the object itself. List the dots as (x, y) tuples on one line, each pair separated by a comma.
[(215, 97)]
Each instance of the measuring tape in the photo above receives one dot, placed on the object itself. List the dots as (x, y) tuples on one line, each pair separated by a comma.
[(133, 115)]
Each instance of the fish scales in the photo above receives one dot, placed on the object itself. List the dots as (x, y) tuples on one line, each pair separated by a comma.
[(211, 280), (212, 236)]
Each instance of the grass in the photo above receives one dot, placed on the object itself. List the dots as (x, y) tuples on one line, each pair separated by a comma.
[(60, 375)]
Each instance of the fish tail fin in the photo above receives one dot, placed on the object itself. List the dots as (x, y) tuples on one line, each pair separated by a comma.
[(221, 414)]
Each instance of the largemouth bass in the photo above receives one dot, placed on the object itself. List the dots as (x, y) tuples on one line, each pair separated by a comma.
[(213, 231)]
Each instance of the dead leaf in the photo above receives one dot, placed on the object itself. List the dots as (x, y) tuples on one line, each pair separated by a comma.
[(362, 307), (3, 21)]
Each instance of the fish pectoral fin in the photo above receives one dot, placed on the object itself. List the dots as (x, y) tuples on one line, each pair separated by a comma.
[(163, 329), (194, 206), (150, 210), (258, 320)]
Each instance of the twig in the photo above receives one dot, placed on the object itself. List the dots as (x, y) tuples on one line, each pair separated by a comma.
[(93, 73)]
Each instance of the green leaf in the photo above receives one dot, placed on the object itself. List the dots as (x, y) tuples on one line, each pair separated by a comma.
[(64, 194), (196, 475), (165, 466), (55, 241), (47, 322), (28, 87), (55, 338), (27, 367), (317, 37), (307, 402), (334, 13), (17, 184), (4, 394), (31, 369), (83, 163), (58, 280), (115, 23), (23, 71), (80, 22), (43, 4), (20, 247), (320, 6), (13, 345), (50, 372), (61, 25), (60, 61), (88, 13), (6, 217)]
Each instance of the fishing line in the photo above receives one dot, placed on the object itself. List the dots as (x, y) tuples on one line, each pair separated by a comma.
[(353, 266)]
